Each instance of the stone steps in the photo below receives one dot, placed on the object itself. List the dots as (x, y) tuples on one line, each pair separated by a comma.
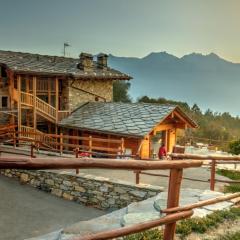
[(139, 212)]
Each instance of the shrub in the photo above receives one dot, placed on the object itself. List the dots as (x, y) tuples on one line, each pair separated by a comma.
[(151, 234), (234, 147)]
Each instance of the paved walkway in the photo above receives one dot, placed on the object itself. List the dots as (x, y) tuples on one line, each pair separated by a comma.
[(202, 173), (27, 212)]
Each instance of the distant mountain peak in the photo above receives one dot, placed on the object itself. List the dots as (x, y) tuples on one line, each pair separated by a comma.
[(159, 54)]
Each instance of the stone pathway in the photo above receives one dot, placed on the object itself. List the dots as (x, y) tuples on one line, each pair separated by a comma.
[(139, 212)]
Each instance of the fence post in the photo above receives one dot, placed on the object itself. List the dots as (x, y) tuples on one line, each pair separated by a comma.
[(32, 151), (90, 145), (174, 188), (14, 138), (213, 173), (137, 176), (61, 143), (77, 154)]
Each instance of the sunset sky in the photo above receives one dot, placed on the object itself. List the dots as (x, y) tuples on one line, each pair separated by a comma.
[(123, 28)]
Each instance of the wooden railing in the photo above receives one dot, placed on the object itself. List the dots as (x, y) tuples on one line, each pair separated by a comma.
[(62, 143), (27, 99), (46, 108), (212, 161), (174, 212), (26, 132)]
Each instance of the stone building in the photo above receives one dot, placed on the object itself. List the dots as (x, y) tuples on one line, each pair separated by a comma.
[(49, 94)]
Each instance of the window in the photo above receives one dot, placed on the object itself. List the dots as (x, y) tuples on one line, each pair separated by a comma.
[(3, 72), (4, 102)]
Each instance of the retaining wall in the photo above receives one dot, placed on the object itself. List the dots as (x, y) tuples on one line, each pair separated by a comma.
[(99, 192)]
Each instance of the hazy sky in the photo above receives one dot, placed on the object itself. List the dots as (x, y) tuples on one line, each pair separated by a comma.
[(122, 27)]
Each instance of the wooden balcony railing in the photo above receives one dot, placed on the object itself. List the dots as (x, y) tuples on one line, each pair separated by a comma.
[(27, 99), (46, 108)]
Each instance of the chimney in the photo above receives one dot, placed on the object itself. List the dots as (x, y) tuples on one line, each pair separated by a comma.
[(102, 61), (86, 62)]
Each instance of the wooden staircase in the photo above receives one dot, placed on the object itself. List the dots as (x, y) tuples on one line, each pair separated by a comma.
[(43, 138), (43, 109)]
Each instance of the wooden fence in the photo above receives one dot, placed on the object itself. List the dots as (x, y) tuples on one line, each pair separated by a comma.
[(212, 160), (173, 211), (59, 142)]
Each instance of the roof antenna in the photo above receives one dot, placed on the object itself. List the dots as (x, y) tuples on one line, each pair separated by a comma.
[(66, 44)]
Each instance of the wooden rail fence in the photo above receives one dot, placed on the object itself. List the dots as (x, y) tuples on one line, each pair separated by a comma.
[(61, 143), (214, 160), (174, 211)]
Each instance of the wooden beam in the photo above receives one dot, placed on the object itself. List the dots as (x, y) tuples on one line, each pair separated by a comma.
[(49, 90), (34, 103), (119, 232), (19, 102), (205, 157), (57, 97), (73, 163), (202, 203), (173, 200), (163, 127)]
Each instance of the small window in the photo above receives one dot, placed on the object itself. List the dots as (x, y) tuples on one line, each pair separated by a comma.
[(4, 102), (3, 72)]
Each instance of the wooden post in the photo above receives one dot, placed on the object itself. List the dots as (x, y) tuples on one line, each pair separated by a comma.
[(57, 98), (213, 172), (14, 138), (137, 176), (174, 187), (32, 151), (61, 143), (122, 146), (19, 104), (90, 145), (77, 155), (49, 90), (34, 104)]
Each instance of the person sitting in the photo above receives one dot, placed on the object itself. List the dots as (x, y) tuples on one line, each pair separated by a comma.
[(162, 153)]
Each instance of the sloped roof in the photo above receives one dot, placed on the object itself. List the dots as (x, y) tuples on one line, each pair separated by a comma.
[(53, 65), (133, 119)]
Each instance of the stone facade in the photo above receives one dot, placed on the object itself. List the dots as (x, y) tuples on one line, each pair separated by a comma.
[(98, 192), (77, 94)]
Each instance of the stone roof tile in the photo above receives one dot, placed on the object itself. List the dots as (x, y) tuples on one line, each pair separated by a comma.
[(135, 119), (54, 65)]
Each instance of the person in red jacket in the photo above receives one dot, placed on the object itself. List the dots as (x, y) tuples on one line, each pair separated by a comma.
[(162, 153)]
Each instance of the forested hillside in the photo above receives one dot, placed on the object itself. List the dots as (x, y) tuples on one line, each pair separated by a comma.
[(215, 128)]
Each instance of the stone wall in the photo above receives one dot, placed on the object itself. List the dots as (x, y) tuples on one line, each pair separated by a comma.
[(76, 97), (90, 190)]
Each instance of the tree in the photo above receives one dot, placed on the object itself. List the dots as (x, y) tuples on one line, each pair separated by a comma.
[(120, 91), (234, 147)]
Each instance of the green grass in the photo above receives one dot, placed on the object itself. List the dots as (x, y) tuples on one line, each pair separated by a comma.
[(151, 234), (230, 236), (197, 225), (233, 175)]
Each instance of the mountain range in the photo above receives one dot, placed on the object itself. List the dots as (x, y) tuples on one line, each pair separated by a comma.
[(208, 80)]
